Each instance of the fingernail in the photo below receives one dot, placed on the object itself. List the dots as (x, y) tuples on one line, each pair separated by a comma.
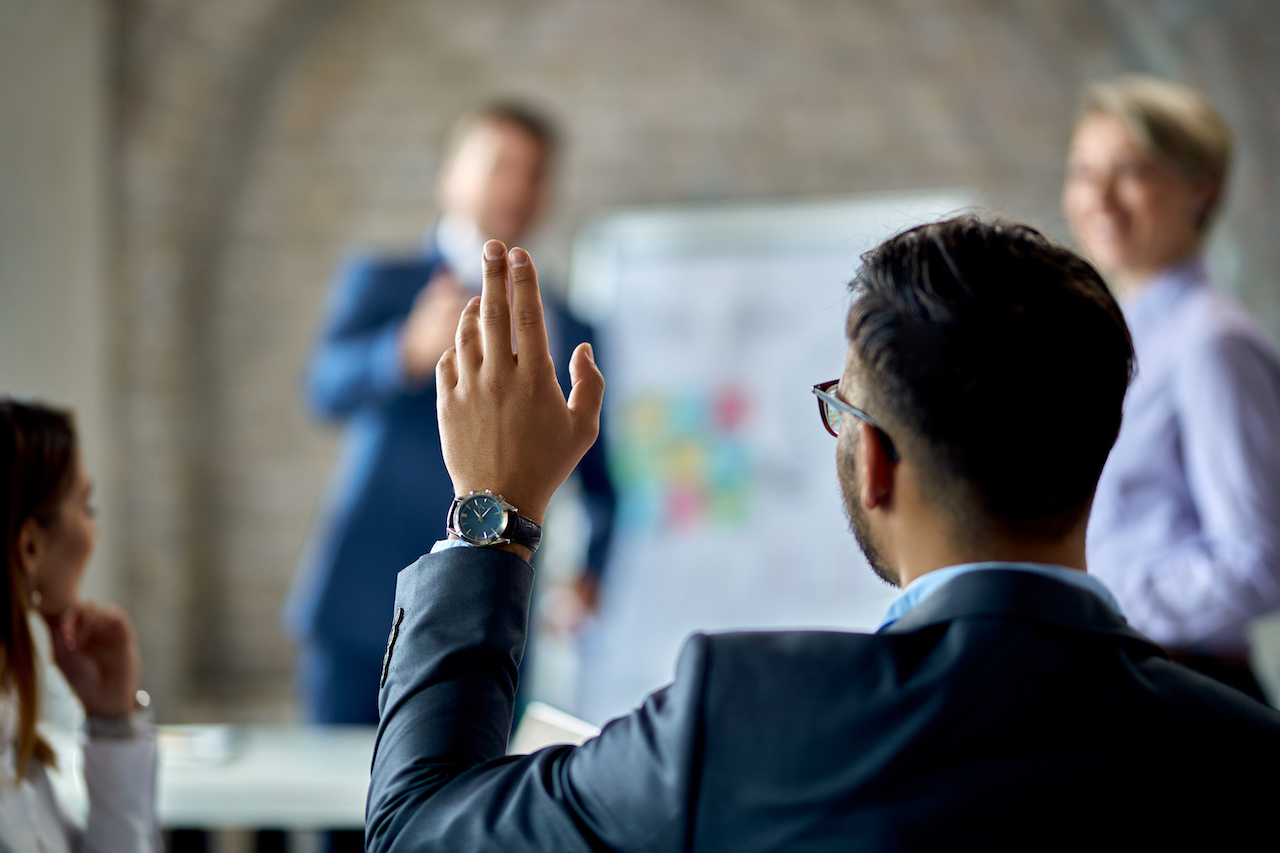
[(591, 354), (493, 250), (519, 257)]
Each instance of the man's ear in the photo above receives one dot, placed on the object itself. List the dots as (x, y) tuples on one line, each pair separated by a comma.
[(878, 470), (31, 548)]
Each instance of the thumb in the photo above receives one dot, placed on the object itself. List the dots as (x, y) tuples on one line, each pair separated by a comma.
[(587, 393)]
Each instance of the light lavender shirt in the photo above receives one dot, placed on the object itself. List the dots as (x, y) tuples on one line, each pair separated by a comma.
[(1185, 528)]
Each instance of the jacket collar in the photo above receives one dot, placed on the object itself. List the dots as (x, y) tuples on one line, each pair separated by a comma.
[(1022, 595)]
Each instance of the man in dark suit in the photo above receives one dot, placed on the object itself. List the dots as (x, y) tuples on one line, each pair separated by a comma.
[(388, 321), (1004, 705)]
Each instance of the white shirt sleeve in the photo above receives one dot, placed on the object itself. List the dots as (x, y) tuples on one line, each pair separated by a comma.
[(120, 777)]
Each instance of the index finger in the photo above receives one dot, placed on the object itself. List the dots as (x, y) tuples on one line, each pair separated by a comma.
[(495, 310), (531, 326)]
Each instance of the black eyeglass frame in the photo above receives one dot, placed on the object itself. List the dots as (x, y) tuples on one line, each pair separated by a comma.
[(827, 398)]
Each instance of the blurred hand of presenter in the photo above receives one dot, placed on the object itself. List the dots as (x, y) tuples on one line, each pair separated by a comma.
[(429, 330)]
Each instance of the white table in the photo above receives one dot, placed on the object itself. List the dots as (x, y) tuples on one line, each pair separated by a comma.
[(275, 777), (262, 777)]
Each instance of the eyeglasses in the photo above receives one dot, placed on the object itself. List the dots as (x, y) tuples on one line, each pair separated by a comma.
[(831, 407)]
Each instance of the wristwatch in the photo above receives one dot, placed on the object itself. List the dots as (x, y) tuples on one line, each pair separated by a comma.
[(486, 519), (126, 726)]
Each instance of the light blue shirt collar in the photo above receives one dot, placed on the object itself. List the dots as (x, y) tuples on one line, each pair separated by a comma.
[(924, 586)]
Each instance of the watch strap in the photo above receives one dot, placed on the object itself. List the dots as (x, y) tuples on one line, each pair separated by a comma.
[(523, 530)]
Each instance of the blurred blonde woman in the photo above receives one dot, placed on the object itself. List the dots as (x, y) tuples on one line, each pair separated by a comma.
[(1185, 527), (46, 511)]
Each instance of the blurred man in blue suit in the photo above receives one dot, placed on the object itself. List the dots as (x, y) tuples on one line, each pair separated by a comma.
[(373, 369)]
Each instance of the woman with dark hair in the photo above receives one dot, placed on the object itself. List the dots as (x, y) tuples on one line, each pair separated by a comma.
[(49, 531)]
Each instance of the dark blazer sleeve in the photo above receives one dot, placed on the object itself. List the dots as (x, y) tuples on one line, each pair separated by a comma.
[(356, 361), (440, 780)]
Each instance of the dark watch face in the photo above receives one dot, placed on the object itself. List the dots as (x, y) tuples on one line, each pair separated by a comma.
[(481, 518)]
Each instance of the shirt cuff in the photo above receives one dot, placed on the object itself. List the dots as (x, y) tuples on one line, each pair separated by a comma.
[(120, 778), (446, 544)]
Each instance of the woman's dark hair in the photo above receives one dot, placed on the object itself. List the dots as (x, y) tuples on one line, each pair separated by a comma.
[(37, 468), (1002, 361)]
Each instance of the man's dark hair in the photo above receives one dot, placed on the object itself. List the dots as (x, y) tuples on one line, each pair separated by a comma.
[(522, 116), (997, 360)]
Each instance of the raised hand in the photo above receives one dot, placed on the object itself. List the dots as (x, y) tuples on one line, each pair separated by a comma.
[(96, 649), (505, 425), (431, 324)]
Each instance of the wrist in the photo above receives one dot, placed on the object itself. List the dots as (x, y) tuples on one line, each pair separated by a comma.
[(124, 725), (110, 710), (532, 510)]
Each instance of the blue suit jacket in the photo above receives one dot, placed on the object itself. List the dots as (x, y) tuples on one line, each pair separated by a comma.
[(390, 491), (1009, 711)]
